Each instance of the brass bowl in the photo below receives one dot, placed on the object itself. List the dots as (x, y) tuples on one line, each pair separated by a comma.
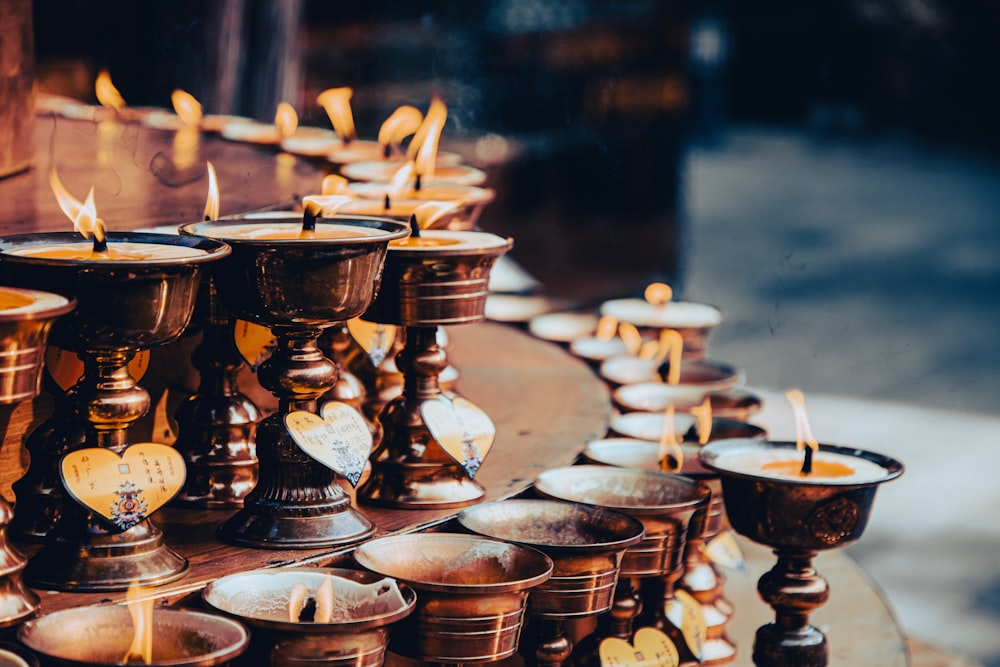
[(121, 304), (259, 597), (299, 281), (101, 636), (25, 319), (471, 592), (586, 545)]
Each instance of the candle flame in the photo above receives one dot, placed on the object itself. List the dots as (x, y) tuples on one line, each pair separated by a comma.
[(423, 149), (141, 611), (285, 119), (606, 328), (432, 212), (803, 434), (649, 350), (299, 596), (672, 346), (335, 184), (213, 199), (187, 107), (631, 336), (106, 92), (703, 413), (82, 214), (403, 122), (669, 445), (324, 205), (399, 184), (337, 104), (658, 294)]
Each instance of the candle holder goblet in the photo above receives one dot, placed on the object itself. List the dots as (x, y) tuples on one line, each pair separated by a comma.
[(797, 515), (471, 593), (123, 306), (216, 426), (180, 637), (297, 283), (586, 545), (26, 316), (357, 632), (670, 506), (439, 278)]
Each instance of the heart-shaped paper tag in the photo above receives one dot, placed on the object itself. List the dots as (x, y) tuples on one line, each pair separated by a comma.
[(253, 341), (66, 368), (724, 550), (652, 649), (686, 613), (123, 489), (462, 429), (339, 439), (375, 338)]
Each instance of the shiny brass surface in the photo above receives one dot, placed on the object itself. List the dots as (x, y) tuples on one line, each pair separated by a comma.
[(297, 287), (797, 519), (216, 426), (88, 636), (425, 289), (23, 335), (669, 506), (122, 307), (586, 545), (360, 642), (471, 593)]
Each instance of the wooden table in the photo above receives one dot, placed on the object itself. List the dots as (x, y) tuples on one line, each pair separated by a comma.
[(545, 403)]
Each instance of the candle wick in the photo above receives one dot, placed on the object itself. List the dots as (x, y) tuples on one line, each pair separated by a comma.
[(414, 227), (416, 183), (807, 461), (387, 204), (100, 244), (387, 151), (309, 214)]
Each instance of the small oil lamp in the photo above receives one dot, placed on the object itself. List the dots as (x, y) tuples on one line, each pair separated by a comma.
[(96, 636), (586, 545), (286, 122), (297, 278), (735, 403), (799, 499), (134, 291), (471, 593), (327, 617), (670, 506), (26, 316), (433, 278)]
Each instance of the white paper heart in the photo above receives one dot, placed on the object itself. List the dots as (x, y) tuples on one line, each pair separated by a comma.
[(339, 439), (462, 430), (123, 489), (650, 648)]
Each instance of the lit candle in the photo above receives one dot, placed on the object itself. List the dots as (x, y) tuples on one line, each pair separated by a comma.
[(286, 121), (278, 230), (673, 315), (447, 241), (780, 461), (465, 194), (16, 302), (121, 251), (383, 170)]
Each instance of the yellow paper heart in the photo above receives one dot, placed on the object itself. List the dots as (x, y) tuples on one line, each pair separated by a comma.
[(66, 368), (652, 649), (253, 341), (339, 439), (687, 614), (375, 338), (123, 489), (462, 430)]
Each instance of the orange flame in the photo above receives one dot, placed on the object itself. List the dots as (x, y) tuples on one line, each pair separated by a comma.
[(337, 104), (324, 205), (423, 149), (672, 345), (658, 294), (141, 611), (703, 413), (606, 328), (82, 214), (803, 434), (428, 214), (669, 444), (399, 184), (335, 184), (106, 92), (186, 106), (403, 122), (212, 200), (631, 336), (285, 119)]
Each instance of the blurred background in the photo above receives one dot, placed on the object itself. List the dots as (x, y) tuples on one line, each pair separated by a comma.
[(826, 173)]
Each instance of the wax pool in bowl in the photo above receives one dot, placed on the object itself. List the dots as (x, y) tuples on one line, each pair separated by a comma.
[(117, 251), (674, 314), (782, 462), (444, 240), (278, 230)]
